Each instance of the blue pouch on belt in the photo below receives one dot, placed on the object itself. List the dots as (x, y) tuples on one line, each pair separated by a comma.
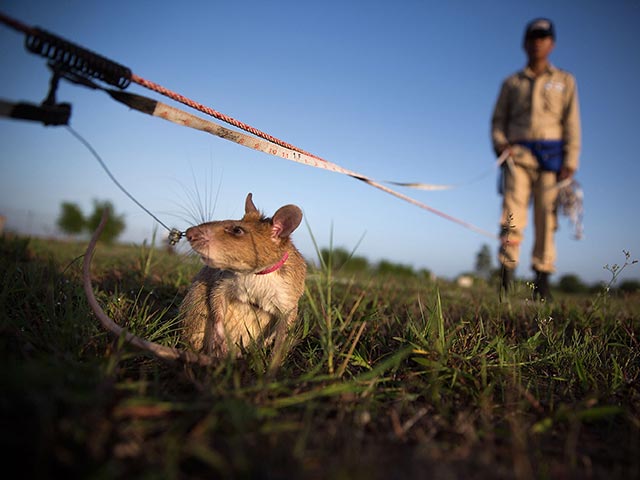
[(549, 153)]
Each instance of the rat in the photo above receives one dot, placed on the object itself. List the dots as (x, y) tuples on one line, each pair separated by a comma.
[(249, 288)]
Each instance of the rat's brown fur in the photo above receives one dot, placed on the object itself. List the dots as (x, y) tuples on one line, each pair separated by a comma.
[(230, 304)]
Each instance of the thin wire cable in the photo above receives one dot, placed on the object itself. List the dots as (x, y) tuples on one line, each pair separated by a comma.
[(106, 169)]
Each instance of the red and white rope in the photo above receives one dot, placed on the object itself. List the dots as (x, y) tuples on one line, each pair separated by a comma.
[(214, 113)]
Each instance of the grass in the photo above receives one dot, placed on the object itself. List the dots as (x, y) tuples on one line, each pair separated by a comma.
[(387, 378)]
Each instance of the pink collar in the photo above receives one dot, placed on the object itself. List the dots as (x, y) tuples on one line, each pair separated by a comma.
[(276, 266)]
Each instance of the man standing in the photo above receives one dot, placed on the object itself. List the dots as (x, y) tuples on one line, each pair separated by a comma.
[(536, 119)]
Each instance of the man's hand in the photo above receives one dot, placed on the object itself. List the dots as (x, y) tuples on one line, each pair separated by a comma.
[(502, 148), (565, 173)]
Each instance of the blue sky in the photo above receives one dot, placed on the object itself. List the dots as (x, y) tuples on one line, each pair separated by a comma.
[(395, 90)]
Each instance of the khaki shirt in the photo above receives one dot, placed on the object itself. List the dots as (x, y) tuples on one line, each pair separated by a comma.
[(538, 108)]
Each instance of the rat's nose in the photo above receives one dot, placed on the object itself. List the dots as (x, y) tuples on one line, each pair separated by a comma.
[(193, 234)]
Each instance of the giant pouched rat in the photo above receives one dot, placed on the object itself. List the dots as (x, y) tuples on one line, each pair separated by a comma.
[(249, 288)]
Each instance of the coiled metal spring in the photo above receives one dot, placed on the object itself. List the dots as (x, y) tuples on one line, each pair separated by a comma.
[(77, 59)]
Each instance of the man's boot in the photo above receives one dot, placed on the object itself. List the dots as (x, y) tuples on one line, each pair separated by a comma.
[(506, 280), (541, 288)]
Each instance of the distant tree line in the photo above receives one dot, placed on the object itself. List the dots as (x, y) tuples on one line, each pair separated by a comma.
[(571, 283), (341, 260), (73, 222)]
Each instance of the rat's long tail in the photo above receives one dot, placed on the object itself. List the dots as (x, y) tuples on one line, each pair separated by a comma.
[(160, 351)]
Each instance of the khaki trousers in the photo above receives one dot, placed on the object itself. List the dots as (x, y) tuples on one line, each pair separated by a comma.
[(522, 184)]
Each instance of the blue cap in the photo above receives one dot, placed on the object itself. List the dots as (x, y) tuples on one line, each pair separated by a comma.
[(539, 28)]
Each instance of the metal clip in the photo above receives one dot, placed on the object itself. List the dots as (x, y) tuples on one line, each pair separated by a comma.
[(174, 236)]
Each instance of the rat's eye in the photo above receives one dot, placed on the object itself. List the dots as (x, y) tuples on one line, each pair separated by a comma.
[(235, 230)]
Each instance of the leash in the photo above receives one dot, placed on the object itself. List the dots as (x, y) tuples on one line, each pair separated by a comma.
[(180, 117), (174, 234)]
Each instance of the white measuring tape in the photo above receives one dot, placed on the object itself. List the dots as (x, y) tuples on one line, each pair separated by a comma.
[(181, 117)]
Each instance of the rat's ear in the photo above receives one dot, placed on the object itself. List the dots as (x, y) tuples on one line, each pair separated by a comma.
[(249, 207), (285, 221)]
